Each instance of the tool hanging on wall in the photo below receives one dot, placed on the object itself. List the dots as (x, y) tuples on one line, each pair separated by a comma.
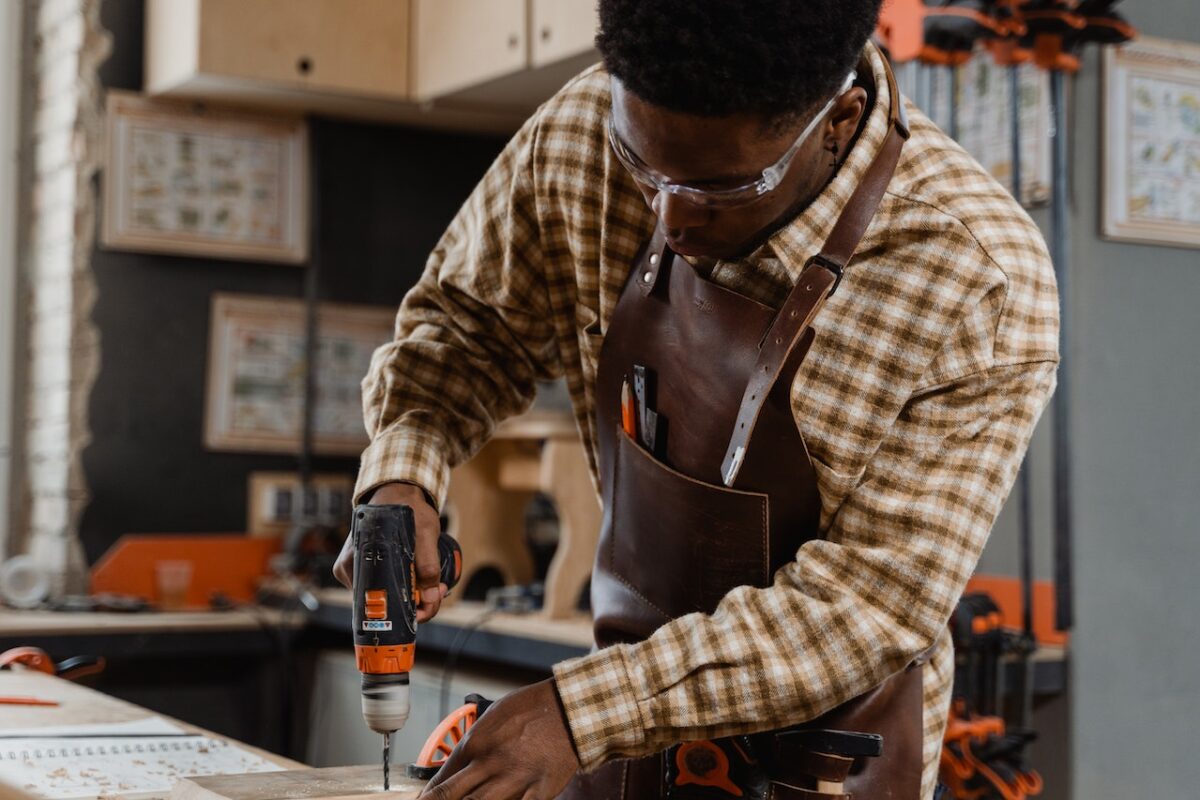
[(940, 35), (952, 31), (983, 756), (1057, 30)]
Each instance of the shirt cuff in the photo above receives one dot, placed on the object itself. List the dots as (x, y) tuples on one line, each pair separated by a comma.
[(404, 455), (600, 698)]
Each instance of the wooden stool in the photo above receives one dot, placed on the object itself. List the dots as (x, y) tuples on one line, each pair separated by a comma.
[(488, 497)]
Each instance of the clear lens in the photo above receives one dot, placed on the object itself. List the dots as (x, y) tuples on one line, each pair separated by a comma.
[(772, 176)]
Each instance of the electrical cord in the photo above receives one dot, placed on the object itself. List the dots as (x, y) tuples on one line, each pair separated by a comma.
[(456, 648), (509, 599)]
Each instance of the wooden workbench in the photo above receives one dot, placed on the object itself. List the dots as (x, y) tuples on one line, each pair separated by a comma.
[(33, 624), (179, 662), (80, 705)]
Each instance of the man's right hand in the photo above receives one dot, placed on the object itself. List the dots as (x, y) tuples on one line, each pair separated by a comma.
[(429, 527)]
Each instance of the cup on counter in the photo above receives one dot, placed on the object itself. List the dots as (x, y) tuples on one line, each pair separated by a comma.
[(173, 579)]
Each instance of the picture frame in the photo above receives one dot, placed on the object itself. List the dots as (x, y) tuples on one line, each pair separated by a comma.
[(255, 385), (188, 179), (1151, 143)]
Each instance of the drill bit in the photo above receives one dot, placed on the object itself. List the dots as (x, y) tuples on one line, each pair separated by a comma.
[(387, 760)]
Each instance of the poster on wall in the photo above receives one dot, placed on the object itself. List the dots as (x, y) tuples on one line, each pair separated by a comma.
[(255, 391), (187, 180), (1152, 143)]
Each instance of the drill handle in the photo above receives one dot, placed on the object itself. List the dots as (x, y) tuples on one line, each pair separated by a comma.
[(450, 557)]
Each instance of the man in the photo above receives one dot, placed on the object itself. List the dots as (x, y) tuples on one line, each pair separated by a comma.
[(776, 549)]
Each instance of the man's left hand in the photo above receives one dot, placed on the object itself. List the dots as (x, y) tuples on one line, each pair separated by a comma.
[(520, 749)]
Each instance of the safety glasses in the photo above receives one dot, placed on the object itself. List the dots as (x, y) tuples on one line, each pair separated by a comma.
[(719, 197)]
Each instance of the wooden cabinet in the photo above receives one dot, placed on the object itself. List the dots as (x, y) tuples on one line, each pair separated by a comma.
[(359, 47), (404, 60), (459, 43), (561, 29)]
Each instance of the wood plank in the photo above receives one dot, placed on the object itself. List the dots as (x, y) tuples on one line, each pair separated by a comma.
[(79, 705), (40, 623), (540, 424), (329, 783)]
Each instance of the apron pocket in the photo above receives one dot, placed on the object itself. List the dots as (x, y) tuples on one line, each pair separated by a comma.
[(680, 543)]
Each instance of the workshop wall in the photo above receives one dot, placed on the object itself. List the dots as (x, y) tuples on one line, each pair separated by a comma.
[(1135, 686), (386, 195)]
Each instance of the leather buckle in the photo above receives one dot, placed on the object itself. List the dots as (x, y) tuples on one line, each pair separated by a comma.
[(828, 263)]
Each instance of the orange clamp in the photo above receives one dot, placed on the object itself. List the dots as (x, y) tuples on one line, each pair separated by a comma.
[(704, 764)]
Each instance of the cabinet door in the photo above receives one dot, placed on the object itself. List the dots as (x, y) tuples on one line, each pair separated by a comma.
[(561, 29), (358, 47), (459, 43)]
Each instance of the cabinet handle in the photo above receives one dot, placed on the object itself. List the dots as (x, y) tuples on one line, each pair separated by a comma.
[(304, 65), (546, 33), (513, 41)]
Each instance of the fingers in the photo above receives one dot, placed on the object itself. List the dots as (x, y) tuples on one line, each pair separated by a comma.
[(427, 607), (482, 781), (429, 568), (456, 785), (343, 567)]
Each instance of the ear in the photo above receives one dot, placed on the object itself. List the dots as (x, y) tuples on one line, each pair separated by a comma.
[(844, 118)]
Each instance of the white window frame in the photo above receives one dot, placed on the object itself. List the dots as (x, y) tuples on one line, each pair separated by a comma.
[(10, 108)]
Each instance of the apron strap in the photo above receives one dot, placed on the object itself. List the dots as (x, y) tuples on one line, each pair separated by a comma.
[(817, 283)]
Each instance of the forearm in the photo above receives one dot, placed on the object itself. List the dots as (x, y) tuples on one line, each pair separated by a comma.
[(472, 338)]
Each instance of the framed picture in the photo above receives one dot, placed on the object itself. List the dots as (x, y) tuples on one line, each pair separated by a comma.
[(1152, 143), (255, 392), (189, 180)]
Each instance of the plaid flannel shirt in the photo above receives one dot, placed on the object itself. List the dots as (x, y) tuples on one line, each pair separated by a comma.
[(932, 364)]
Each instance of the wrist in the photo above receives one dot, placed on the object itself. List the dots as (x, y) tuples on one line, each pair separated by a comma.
[(399, 493)]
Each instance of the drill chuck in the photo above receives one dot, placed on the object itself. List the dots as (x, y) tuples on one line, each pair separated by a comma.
[(385, 702)]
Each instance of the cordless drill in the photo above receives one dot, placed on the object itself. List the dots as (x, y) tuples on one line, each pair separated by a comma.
[(385, 611)]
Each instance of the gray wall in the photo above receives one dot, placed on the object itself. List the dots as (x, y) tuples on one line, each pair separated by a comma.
[(1136, 662), (1125, 728)]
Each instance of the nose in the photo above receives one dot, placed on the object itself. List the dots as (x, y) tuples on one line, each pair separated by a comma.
[(677, 214)]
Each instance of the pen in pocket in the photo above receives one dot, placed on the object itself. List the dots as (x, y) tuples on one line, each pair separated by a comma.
[(628, 411)]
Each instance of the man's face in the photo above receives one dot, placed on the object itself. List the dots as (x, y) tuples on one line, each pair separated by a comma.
[(724, 152)]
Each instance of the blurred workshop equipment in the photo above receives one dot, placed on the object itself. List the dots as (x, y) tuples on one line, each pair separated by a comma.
[(537, 452), (221, 564)]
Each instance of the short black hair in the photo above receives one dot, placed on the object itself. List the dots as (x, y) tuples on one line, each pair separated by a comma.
[(773, 58)]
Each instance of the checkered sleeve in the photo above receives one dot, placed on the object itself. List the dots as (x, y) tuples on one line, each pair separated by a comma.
[(471, 338), (851, 608)]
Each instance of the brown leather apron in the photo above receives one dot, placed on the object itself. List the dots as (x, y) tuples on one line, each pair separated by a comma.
[(729, 497)]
